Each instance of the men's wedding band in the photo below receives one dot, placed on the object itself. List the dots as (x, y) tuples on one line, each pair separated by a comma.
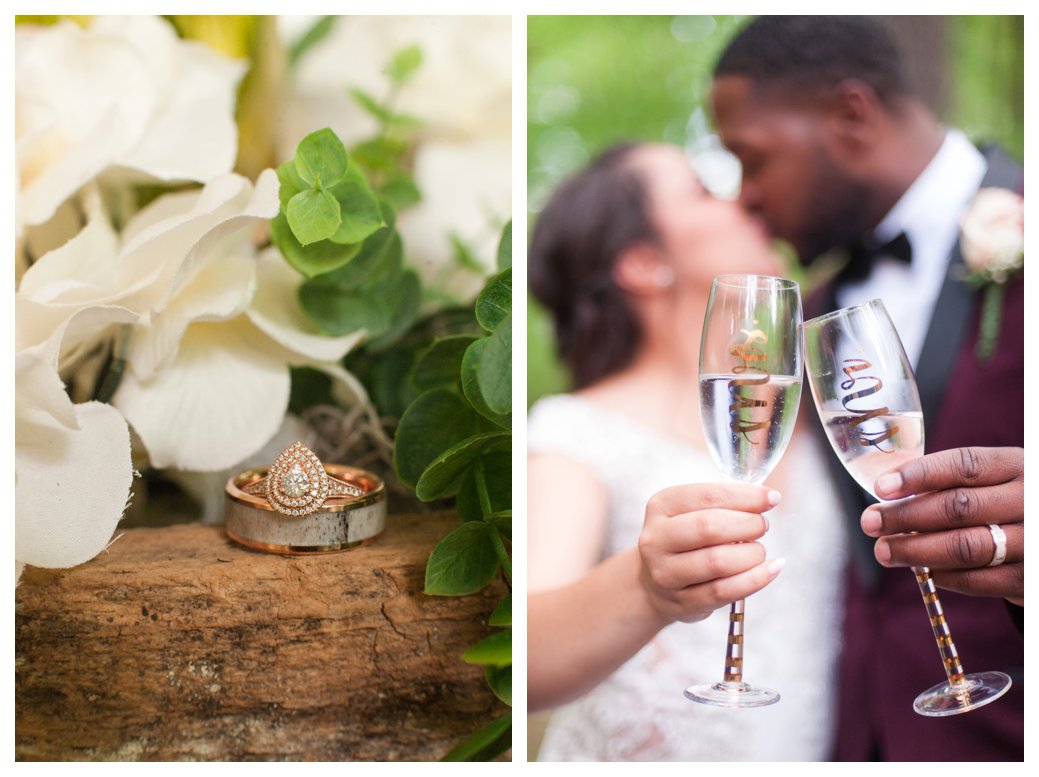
[(999, 538)]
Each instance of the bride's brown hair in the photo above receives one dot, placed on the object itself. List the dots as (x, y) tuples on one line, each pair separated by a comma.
[(588, 222)]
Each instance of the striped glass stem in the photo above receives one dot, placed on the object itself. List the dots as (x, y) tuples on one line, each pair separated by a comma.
[(734, 651), (950, 658)]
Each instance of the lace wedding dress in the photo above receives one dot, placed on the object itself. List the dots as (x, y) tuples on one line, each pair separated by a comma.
[(793, 626)]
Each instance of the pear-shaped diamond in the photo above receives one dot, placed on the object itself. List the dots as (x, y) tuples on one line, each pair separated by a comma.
[(295, 482)]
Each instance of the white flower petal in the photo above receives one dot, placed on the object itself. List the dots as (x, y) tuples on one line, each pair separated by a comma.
[(71, 485), (123, 98), (275, 311), (81, 271), (91, 96), (177, 233), (63, 332), (43, 333), (218, 401), (191, 134), (218, 292), (39, 388)]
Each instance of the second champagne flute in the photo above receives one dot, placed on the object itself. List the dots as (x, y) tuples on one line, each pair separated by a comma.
[(750, 389), (866, 395)]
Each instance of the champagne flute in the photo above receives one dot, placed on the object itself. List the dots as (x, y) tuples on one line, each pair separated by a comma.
[(750, 389), (867, 399)]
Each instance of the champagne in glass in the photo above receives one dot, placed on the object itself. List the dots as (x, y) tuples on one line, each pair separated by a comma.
[(750, 388), (867, 399)]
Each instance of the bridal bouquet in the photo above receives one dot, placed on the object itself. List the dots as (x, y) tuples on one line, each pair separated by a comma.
[(184, 293)]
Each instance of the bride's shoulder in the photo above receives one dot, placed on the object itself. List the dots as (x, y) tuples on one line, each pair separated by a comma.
[(555, 410)]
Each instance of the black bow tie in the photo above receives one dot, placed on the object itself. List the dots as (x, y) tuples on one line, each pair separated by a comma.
[(861, 257)]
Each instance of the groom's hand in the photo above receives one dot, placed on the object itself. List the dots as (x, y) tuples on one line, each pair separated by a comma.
[(959, 493)]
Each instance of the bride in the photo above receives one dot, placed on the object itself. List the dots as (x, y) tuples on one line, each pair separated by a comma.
[(635, 547)]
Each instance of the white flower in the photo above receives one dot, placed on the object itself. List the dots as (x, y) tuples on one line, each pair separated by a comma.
[(72, 466), (124, 96), (992, 234), (224, 391)]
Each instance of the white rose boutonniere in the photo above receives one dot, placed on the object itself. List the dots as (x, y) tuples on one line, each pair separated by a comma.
[(992, 240)]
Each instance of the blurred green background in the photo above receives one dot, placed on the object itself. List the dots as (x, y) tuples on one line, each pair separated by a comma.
[(596, 80)]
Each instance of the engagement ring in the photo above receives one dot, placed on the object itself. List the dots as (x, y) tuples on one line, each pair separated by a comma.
[(297, 483)]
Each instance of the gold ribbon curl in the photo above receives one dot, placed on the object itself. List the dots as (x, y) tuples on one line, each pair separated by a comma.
[(865, 438), (750, 356)]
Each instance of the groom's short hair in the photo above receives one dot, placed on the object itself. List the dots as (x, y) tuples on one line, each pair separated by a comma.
[(814, 53)]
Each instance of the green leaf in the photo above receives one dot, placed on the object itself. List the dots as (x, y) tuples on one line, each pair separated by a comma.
[(464, 255), (312, 260), (290, 184), (435, 422), (502, 521), (388, 383), (335, 311), (404, 64), (486, 744), (443, 475), (495, 301), (370, 104), (462, 563), (500, 680), (471, 384), (313, 216), (377, 262), (502, 615), (495, 650), (309, 387), (401, 299), (494, 371), (321, 159), (360, 209), (380, 154), (400, 190), (496, 470), (505, 247), (315, 33), (439, 365)]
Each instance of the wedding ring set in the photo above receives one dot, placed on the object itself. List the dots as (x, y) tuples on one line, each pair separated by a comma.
[(299, 505)]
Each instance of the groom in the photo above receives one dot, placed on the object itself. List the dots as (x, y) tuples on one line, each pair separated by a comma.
[(838, 154)]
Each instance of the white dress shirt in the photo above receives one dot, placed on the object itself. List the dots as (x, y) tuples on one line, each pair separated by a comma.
[(929, 214)]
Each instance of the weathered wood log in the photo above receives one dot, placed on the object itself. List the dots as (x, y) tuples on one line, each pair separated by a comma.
[(176, 644)]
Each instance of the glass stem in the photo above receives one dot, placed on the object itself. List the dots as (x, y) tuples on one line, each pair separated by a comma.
[(950, 658), (734, 650)]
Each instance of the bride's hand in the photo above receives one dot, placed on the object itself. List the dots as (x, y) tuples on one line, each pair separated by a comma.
[(698, 547)]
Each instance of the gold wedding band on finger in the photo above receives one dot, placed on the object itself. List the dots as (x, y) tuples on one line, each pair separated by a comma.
[(999, 539)]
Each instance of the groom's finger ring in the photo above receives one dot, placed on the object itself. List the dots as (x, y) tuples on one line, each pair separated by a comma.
[(999, 540)]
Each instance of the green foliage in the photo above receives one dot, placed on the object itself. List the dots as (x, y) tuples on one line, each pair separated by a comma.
[(385, 155), (490, 741), (463, 562), (404, 64), (446, 376), (505, 248), (327, 207), (313, 35), (455, 439)]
